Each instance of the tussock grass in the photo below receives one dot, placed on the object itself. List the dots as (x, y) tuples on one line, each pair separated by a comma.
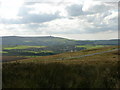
[(58, 75)]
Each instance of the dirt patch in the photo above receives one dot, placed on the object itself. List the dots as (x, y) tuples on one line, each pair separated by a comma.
[(90, 50), (11, 58)]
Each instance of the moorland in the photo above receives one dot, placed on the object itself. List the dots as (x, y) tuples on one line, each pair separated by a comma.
[(54, 62)]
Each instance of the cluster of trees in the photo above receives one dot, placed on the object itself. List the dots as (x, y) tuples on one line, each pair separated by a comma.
[(64, 48), (19, 52)]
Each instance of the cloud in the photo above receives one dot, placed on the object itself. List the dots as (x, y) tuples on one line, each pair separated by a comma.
[(112, 18), (40, 18), (25, 17), (34, 26), (10, 10), (90, 7), (94, 6), (75, 10)]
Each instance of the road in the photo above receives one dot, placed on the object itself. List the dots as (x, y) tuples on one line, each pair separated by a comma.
[(14, 59), (89, 54)]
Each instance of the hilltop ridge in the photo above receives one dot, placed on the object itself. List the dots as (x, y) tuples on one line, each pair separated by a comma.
[(51, 40)]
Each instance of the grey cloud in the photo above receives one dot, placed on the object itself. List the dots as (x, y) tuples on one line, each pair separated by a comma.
[(78, 9), (39, 18), (100, 26), (75, 10), (98, 9), (96, 18)]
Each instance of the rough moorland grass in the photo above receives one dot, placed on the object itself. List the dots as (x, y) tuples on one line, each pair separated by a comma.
[(57, 75)]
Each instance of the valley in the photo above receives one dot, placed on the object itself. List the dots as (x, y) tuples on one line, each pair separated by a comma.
[(80, 64)]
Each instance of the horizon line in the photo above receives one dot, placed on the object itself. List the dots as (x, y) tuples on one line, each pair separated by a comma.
[(57, 37)]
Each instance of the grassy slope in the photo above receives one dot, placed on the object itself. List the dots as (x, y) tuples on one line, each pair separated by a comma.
[(55, 58), (99, 71)]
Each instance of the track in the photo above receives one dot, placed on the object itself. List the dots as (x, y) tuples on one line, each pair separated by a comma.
[(89, 54)]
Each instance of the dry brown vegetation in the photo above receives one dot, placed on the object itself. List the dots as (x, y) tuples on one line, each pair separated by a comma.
[(97, 71)]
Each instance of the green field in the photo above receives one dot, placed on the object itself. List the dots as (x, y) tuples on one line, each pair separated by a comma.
[(3, 52), (44, 51), (22, 47), (90, 46)]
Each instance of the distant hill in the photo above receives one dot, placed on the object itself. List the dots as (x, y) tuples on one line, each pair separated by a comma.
[(100, 42), (53, 41), (44, 41)]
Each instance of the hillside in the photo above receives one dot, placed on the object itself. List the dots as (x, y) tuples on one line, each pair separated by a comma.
[(97, 71), (50, 41), (48, 45), (71, 56), (43, 41)]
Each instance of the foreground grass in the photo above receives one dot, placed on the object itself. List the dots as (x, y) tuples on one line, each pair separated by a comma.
[(57, 75)]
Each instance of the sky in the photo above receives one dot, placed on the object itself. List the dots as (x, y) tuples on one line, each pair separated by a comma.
[(73, 19)]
